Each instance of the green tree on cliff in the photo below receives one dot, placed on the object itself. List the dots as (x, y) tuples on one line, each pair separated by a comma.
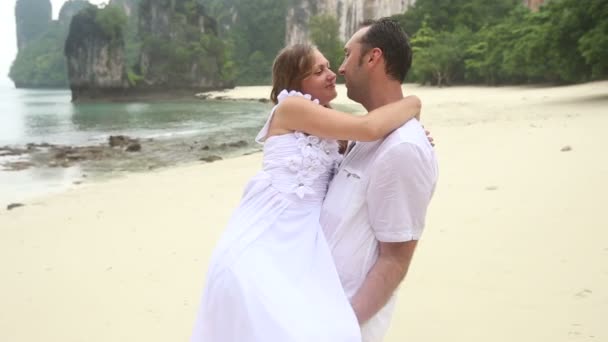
[(112, 20), (504, 42), (593, 44), (41, 63), (256, 30), (185, 53)]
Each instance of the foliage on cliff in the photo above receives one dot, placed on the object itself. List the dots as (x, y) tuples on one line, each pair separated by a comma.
[(41, 64), (256, 31), (92, 23), (502, 42), (186, 50), (324, 33)]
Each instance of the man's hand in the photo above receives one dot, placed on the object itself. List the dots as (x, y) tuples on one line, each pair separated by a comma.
[(383, 278), (428, 136)]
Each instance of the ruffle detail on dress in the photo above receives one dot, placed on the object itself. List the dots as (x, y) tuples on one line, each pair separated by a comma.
[(285, 94), (282, 96)]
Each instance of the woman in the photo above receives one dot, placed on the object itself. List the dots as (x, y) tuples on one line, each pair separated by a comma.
[(272, 277)]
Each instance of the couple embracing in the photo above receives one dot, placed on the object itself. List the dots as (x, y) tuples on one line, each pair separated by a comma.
[(324, 235)]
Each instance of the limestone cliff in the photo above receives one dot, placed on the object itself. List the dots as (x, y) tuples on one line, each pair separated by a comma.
[(350, 13), (70, 9), (165, 48), (32, 18), (40, 62), (95, 58)]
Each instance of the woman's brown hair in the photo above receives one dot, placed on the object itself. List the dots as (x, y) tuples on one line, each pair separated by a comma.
[(293, 64)]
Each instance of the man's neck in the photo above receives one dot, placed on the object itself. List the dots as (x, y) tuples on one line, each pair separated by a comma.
[(388, 92)]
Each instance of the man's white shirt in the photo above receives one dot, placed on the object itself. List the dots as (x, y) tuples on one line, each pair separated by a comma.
[(379, 194)]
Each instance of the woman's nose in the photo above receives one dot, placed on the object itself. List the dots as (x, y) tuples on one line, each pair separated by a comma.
[(331, 75)]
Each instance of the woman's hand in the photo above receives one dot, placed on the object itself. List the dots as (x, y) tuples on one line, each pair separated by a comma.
[(428, 136)]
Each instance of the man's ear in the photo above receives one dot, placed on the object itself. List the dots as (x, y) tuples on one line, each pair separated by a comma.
[(375, 55)]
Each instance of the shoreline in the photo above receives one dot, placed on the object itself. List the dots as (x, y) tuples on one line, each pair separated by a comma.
[(260, 93), (80, 180), (67, 178), (531, 94)]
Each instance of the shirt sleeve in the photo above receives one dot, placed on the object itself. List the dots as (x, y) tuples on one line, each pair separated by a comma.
[(400, 188)]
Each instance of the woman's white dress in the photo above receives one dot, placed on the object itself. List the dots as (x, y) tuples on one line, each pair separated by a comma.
[(272, 276)]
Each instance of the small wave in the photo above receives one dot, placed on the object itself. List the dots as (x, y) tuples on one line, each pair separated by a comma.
[(136, 107), (151, 135), (173, 134)]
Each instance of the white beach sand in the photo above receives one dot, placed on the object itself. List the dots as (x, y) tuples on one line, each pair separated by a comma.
[(515, 249)]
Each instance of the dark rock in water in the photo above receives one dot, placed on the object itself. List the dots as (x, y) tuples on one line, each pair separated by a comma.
[(66, 155), (205, 148), (120, 140), (93, 152), (76, 157), (62, 154), (202, 96), (210, 159), (14, 205), (252, 152), (240, 143), (117, 140), (566, 148), (18, 165), (237, 144), (264, 100), (134, 147), (11, 151), (48, 155), (35, 147)]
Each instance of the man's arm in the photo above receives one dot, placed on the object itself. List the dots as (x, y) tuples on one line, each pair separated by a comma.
[(400, 188), (383, 279)]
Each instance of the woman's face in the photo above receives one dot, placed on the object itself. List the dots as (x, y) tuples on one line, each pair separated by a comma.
[(321, 83)]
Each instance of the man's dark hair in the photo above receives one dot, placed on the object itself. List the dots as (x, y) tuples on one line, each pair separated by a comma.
[(388, 36)]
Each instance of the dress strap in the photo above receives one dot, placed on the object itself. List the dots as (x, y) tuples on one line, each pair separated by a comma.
[(264, 131)]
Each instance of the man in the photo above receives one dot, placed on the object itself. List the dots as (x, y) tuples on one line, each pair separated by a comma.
[(375, 208)]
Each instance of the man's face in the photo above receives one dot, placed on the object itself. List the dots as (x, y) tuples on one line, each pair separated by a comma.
[(353, 69)]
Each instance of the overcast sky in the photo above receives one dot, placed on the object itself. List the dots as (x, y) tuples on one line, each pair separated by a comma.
[(8, 38)]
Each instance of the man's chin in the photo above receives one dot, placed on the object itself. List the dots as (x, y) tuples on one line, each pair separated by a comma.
[(350, 95)]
